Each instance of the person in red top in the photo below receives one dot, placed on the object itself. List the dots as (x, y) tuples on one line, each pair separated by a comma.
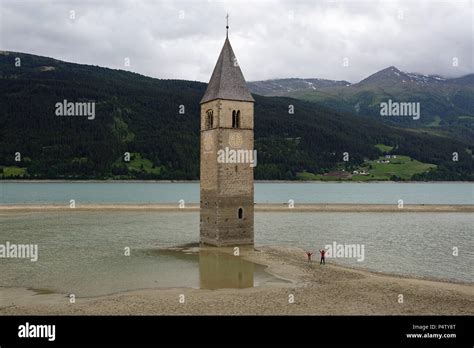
[(309, 256), (322, 252)]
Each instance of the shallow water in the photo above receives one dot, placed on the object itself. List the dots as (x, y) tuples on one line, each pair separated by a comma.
[(85, 254), (82, 252), (417, 244)]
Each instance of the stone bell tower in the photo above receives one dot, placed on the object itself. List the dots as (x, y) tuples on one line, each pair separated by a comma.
[(226, 154)]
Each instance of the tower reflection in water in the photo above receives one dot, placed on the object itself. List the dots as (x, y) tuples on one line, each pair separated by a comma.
[(218, 270)]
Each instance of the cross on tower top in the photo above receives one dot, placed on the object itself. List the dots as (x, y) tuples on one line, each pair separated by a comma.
[(227, 26)]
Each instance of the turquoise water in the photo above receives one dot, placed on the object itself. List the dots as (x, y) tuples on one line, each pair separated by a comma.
[(314, 192)]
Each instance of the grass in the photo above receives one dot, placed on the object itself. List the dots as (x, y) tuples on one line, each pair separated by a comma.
[(13, 171), (384, 148), (435, 122), (319, 177), (138, 163), (403, 167), (431, 131)]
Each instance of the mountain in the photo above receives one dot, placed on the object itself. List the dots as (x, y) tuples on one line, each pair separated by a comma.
[(284, 87), (391, 75), (157, 122), (446, 105)]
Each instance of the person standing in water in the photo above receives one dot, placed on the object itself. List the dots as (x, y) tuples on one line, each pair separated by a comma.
[(322, 252)]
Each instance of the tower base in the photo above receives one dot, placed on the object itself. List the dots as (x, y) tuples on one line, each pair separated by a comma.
[(226, 242)]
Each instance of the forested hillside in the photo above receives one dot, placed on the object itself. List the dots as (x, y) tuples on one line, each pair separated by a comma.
[(141, 115), (446, 104)]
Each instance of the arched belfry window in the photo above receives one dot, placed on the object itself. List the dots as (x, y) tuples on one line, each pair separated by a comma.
[(241, 213), (209, 119), (235, 118)]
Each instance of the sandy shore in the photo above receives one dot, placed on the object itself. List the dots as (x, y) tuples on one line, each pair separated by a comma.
[(5, 208), (320, 290)]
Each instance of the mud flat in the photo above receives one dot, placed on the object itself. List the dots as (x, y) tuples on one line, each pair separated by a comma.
[(317, 290)]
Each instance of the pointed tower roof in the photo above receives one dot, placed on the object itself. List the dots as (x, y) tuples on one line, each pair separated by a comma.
[(227, 80)]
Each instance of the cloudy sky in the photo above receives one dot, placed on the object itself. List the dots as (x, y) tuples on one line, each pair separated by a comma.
[(272, 39)]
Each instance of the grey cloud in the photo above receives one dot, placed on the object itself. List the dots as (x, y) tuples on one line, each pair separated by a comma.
[(182, 39)]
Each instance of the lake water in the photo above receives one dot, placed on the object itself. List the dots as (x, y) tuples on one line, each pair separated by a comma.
[(314, 192), (85, 254), (82, 252)]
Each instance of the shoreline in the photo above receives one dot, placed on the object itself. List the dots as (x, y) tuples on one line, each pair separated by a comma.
[(134, 181), (332, 289), (264, 207)]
